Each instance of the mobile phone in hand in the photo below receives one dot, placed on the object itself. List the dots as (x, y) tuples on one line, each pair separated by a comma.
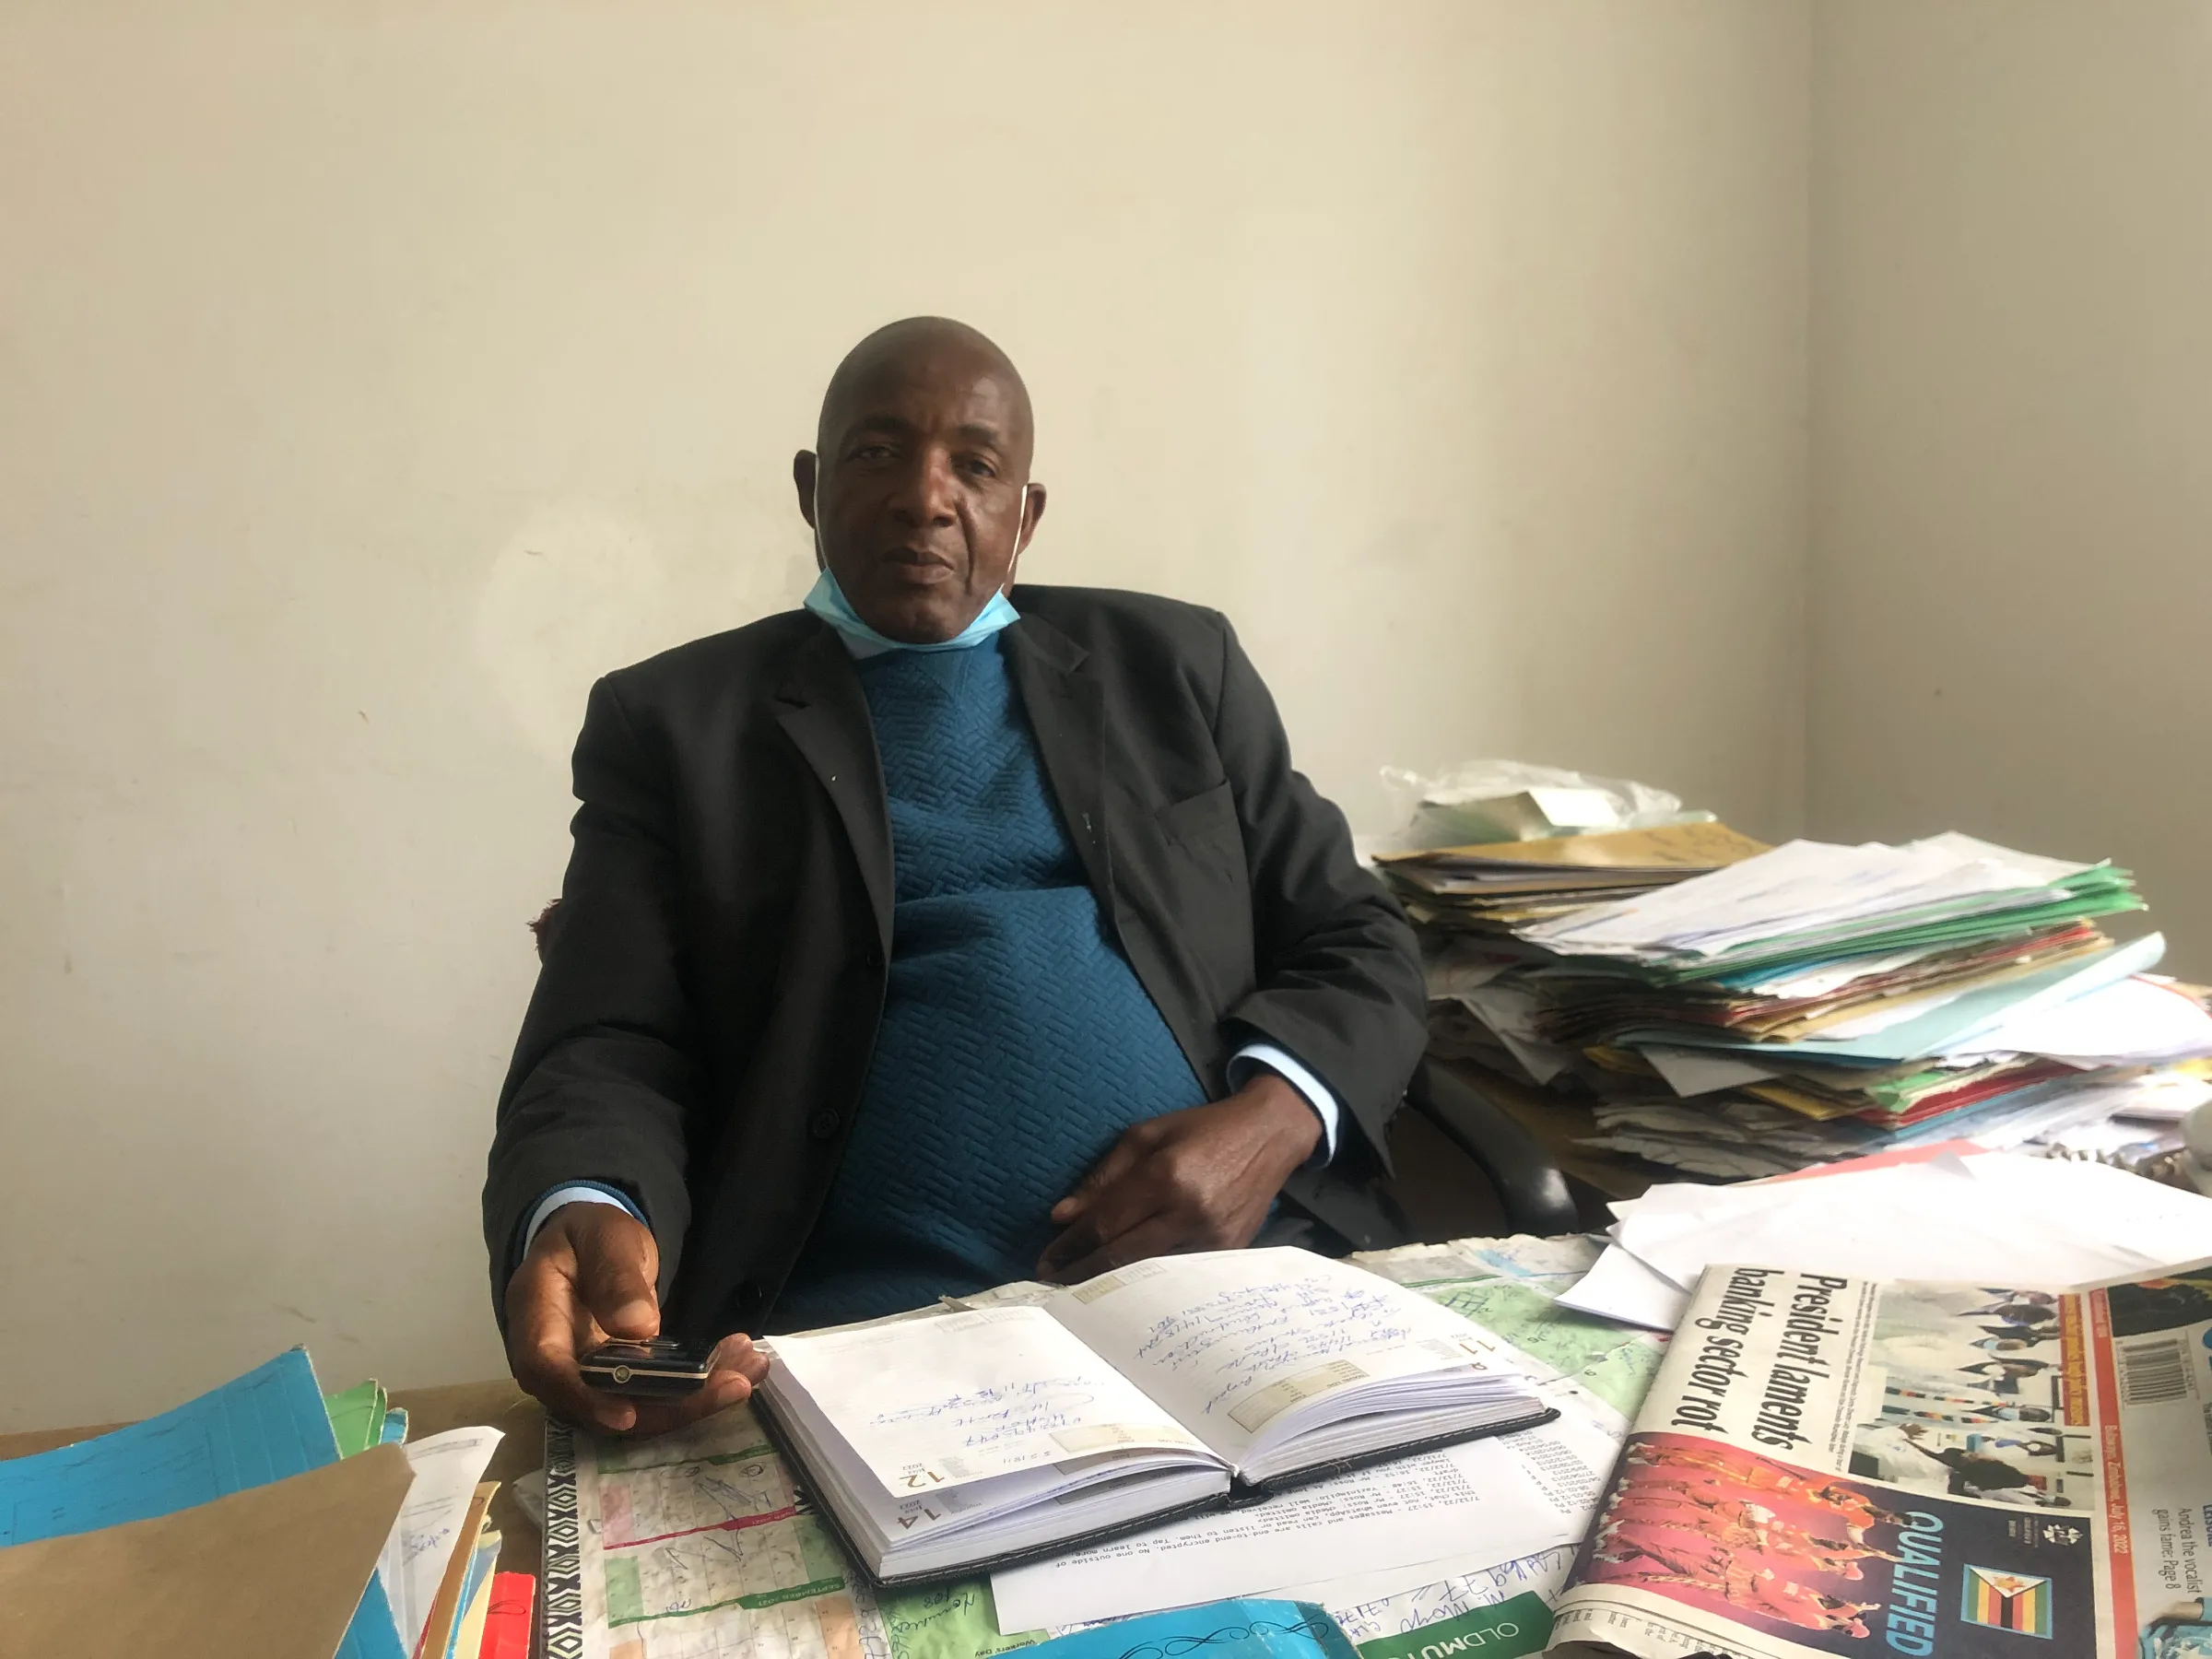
[(659, 1368)]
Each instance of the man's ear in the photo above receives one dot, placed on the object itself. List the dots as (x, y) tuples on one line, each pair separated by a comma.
[(1032, 509), (802, 476)]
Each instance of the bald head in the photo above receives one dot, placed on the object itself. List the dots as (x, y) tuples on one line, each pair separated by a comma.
[(919, 484), (922, 348)]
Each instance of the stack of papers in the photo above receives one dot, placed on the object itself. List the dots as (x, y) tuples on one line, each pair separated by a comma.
[(436, 1565), (1792, 1006), (1496, 888), (1954, 1214), (229, 1477), (1809, 900)]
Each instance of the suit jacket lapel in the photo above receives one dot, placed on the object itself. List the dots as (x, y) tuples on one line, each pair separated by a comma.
[(820, 705), (1067, 712)]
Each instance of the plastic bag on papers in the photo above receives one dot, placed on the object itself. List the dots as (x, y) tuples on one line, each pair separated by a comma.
[(1488, 801)]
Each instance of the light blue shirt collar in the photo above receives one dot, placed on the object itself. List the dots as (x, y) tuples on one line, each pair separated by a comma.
[(827, 601)]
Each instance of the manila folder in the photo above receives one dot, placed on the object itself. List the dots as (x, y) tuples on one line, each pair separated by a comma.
[(276, 1569)]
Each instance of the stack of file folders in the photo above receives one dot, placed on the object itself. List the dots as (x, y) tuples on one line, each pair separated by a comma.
[(261, 1517), (1736, 1010)]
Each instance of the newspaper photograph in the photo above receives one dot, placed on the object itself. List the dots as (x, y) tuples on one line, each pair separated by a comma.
[(1832, 1466)]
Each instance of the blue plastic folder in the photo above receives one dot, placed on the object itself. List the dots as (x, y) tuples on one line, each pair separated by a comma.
[(1229, 1629), (267, 1425)]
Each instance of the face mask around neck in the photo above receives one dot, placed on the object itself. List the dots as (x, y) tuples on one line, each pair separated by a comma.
[(827, 600)]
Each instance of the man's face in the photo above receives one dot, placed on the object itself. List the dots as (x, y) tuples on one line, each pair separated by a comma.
[(920, 489)]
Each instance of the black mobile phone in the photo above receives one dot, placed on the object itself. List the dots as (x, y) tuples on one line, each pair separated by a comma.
[(662, 1366)]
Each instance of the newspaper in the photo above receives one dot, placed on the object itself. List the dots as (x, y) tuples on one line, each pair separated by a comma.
[(1834, 1466)]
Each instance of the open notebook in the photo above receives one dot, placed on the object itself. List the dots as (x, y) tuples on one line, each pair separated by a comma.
[(948, 1444)]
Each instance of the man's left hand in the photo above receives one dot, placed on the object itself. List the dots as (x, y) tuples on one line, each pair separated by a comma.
[(1196, 1179)]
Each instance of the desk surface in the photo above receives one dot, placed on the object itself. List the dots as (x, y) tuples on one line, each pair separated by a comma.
[(499, 1405)]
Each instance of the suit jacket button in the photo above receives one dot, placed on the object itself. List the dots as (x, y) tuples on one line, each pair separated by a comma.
[(823, 1126), (874, 956)]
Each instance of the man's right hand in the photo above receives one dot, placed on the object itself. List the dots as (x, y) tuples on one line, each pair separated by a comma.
[(588, 1278)]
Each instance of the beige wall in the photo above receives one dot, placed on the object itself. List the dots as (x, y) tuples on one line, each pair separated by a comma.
[(372, 376), (2013, 397)]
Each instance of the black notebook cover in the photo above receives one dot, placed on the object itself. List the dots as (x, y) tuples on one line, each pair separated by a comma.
[(1243, 1494)]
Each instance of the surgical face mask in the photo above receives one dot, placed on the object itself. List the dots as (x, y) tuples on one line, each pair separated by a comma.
[(827, 600)]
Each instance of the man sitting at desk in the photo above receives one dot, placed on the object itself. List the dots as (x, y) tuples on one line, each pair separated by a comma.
[(940, 934)]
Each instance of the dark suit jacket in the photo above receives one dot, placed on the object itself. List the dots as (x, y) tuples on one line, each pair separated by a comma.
[(714, 975)]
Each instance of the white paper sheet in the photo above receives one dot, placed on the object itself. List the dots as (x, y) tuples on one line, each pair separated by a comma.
[(1619, 1287), (447, 1467), (1488, 1500), (1690, 1071), (1569, 1459), (1997, 1215), (2137, 1020)]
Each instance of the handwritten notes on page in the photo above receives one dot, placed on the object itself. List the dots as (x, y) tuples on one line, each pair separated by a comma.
[(978, 1394), (1230, 1343), (447, 1468)]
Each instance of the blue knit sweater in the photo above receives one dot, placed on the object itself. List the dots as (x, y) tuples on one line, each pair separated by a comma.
[(1017, 1042)]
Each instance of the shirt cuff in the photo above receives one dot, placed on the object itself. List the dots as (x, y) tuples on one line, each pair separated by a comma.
[(576, 1192), (1319, 1095)]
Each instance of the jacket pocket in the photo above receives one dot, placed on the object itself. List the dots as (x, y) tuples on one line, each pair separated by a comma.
[(1204, 826), (1190, 927)]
